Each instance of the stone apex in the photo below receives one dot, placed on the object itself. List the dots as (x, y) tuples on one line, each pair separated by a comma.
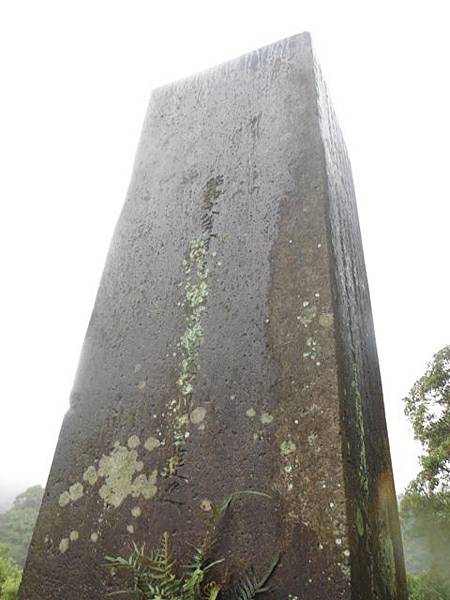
[(231, 63)]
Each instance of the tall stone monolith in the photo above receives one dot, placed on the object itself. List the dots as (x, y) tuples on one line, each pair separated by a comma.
[(231, 348)]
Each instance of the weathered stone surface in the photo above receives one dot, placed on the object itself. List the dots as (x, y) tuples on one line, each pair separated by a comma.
[(231, 347)]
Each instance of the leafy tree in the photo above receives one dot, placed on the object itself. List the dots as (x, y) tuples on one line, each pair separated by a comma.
[(425, 507), (10, 576), (428, 408), (31, 498), (426, 587), (17, 524)]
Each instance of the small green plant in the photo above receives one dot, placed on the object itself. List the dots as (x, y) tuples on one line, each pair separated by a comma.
[(156, 576), (10, 576)]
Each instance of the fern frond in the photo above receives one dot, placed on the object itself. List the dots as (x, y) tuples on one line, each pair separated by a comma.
[(249, 585), (211, 591)]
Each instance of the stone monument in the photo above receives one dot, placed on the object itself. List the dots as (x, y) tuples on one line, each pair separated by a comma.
[(231, 348)]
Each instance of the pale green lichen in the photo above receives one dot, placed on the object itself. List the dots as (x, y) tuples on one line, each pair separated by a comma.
[(287, 447), (145, 486), (130, 528), (266, 418), (76, 491), (74, 535), (197, 415), (118, 469), (136, 511), (64, 545), (94, 537), (64, 499), (90, 475), (251, 412), (151, 443), (133, 441), (196, 294)]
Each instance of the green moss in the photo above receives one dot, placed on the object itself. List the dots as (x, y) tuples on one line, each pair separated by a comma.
[(359, 522), (362, 467)]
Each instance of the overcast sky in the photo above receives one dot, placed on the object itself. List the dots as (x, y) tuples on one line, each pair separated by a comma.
[(76, 78)]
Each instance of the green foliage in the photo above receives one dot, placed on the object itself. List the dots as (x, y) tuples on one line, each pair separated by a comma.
[(10, 576), (157, 576), (428, 408), (425, 507), (426, 587), (17, 524), (250, 585)]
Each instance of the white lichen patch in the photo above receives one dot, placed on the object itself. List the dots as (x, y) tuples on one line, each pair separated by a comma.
[(133, 441), (197, 415), (118, 469), (136, 511), (141, 385), (64, 545), (251, 412), (130, 528), (287, 447), (74, 535), (90, 475), (266, 418), (94, 537), (151, 443), (206, 505)]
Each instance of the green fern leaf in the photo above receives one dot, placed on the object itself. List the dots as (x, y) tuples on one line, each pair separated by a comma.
[(249, 585)]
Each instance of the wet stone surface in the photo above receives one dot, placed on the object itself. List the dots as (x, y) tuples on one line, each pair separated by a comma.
[(231, 347)]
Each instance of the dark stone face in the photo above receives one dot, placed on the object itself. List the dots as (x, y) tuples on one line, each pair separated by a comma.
[(231, 348)]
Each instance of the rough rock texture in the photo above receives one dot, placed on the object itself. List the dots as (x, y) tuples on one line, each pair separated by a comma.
[(231, 347)]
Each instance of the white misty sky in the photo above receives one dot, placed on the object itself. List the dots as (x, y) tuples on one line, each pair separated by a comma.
[(76, 78)]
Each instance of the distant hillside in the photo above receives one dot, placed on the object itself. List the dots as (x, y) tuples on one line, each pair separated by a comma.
[(17, 523), (6, 498)]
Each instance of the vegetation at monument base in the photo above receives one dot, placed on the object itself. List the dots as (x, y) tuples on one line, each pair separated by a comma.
[(10, 576), (16, 525), (425, 507), (16, 529), (158, 577), (424, 511)]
